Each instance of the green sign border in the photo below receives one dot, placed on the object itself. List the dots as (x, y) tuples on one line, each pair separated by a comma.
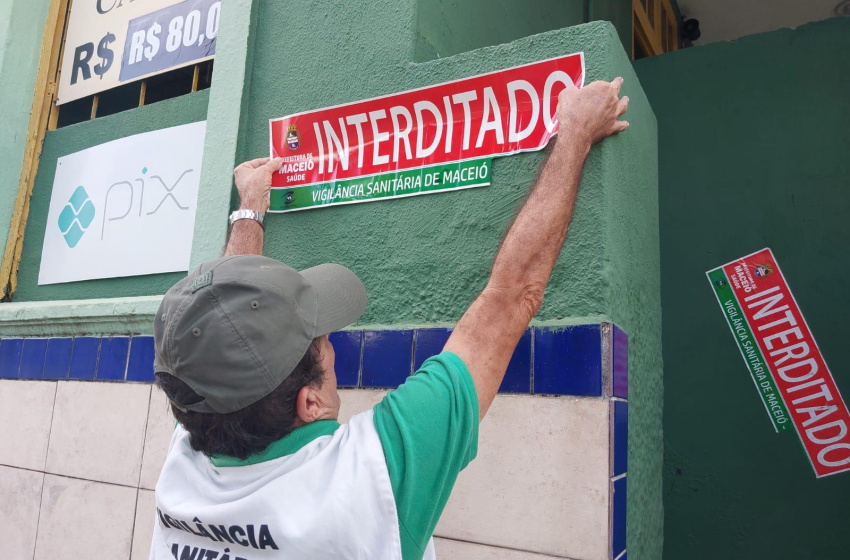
[(371, 188), (742, 333)]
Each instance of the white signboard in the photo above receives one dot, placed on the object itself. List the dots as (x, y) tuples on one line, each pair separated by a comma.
[(112, 42), (124, 208)]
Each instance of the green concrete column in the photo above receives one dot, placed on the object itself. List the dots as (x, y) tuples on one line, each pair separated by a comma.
[(228, 98), (22, 25), (423, 259)]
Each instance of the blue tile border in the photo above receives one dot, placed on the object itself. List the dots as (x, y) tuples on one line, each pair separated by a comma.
[(112, 362), (84, 358), (140, 364), (568, 360), (518, 377), (348, 350), (10, 357), (387, 358), (57, 359), (32, 358), (619, 492), (429, 342), (620, 431), (620, 363), (548, 360)]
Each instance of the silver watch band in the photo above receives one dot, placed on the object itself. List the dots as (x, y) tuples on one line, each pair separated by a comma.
[(247, 215)]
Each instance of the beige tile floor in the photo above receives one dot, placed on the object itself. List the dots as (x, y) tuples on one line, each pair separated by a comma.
[(160, 427), (20, 496), (98, 431), (77, 474), (542, 464), (85, 519), (448, 549), (28, 406)]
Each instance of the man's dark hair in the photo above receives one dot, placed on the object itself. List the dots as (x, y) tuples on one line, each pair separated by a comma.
[(251, 429)]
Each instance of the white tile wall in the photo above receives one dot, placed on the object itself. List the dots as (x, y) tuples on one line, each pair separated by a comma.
[(26, 408), (20, 501), (538, 489), (355, 401), (456, 550), (85, 520), (157, 438), (540, 482), (143, 529), (98, 431)]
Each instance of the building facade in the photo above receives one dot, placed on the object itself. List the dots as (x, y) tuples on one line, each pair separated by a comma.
[(574, 461)]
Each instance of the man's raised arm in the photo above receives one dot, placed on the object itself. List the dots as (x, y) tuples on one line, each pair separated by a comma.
[(487, 334), (253, 181)]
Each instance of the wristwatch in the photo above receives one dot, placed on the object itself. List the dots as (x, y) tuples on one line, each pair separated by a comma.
[(246, 215)]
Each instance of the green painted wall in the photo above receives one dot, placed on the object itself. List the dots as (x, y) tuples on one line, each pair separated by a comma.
[(628, 181), (619, 13), (754, 139), (423, 259), (21, 27), (70, 139), (415, 19), (427, 256), (449, 27), (225, 128)]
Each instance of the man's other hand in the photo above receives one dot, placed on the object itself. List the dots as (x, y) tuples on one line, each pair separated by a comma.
[(254, 182), (591, 113)]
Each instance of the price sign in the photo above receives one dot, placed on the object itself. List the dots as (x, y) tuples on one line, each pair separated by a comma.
[(170, 37), (110, 42)]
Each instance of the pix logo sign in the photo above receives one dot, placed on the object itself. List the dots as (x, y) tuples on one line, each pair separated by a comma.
[(125, 207), (79, 212)]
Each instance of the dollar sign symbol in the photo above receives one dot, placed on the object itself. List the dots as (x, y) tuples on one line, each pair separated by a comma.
[(105, 54), (153, 41)]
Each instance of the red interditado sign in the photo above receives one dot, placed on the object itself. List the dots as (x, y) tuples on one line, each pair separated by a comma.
[(493, 114), (792, 356)]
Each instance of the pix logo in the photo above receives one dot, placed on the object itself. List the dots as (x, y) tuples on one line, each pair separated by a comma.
[(138, 190), (80, 211), (76, 217)]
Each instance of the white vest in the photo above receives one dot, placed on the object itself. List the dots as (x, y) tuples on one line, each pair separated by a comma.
[(331, 500)]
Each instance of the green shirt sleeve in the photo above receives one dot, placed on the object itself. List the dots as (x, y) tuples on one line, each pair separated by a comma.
[(429, 431)]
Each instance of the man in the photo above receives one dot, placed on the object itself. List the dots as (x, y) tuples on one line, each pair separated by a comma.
[(258, 466)]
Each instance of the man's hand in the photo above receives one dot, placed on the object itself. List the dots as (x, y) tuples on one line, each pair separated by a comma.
[(254, 182), (590, 114), (486, 335)]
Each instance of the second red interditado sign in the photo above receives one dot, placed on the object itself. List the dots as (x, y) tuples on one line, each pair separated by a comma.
[(784, 359), (425, 140)]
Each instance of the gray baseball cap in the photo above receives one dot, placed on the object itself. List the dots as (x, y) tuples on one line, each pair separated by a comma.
[(236, 327)]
